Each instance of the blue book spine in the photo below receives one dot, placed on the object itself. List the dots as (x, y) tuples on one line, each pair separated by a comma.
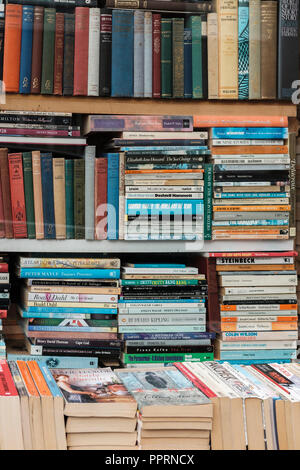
[(28, 314), (243, 49), (58, 362), (187, 47), (60, 273), (122, 53), (247, 362), (176, 206), (249, 195), (73, 329), (59, 310), (153, 301), (249, 133), (271, 354), (48, 197), (50, 380), (26, 49), (113, 196)]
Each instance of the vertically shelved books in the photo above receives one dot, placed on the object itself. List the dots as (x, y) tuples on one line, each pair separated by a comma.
[(223, 49), (162, 314), (4, 300), (257, 313), (68, 311)]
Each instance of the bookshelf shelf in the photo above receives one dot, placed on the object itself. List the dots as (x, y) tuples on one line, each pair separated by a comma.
[(105, 246), (98, 105)]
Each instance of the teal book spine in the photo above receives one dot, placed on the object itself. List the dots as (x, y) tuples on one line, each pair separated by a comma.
[(69, 179), (195, 23), (61, 273), (243, 49), (208, 199), (54, 362)]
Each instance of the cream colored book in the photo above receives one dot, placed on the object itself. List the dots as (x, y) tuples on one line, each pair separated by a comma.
[(102, 439), (212, 56), (59, 197)]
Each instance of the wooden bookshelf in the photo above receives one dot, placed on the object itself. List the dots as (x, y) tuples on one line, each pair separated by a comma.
[(98, 105)]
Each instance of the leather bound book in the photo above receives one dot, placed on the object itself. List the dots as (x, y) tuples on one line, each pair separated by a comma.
[(204, 57), (69, 190), (138, 54), (178, 57), (48, 196), (69, 39), (59, 54), (94, 52), (148, 54), (176, 6), (188, 81), (212, 56), (2, 26), (122, 53), (268, 63), (5, 184), (79, 199), (81, 53), (2, 225), (105, 52), (48, 51), (166, 58), (195, 23), (17, 195), (28, 190), (37, 49), (156, 31), (89, 157), (26, 49), (101, 199), (59, 197), (37, 195), (12, 47)]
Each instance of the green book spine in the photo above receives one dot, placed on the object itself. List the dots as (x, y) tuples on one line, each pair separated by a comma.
[(79, 199), (195, 23), (166, 57), (178, 57), (69, 182), (169, 357), (28, 190), (48, 51), (208, 197)]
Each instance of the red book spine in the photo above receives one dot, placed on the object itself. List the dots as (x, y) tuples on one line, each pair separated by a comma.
[(3, 268), (195, 380), (3, 314), (81, 53), (17, 195), (253, 254), (101, 199), (59, 53), (7, 386), (156, 31), (2, 224), (4, 175)]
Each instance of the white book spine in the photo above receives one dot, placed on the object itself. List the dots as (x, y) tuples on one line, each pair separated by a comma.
[(253, 260), (259, 290), (148, 55), (233, 336), (234, 345), (176, 319), (263, 280), (160, 189), (212, 56), (233, 142), (94, 52)]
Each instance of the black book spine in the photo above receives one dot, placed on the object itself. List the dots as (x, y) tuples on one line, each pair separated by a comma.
[(204, 58), (69, 39), (72, 343), (35, 119), (107, 353), (61, 282), (63, 4), (162, 289), (168, 349), (105, 52), (259, 302)]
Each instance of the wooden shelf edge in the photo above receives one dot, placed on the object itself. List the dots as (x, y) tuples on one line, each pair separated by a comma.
[(99, 105)]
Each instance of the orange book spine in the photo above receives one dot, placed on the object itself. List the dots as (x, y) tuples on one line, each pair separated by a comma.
[(12, 47), (17, 195), (278, 319), (240, 121), (233, 308), (250, 232), (131, 172), (259, 267), (38, 378), (272, 326), (251, 208), (249, 150), (27, 379), (37, 195)]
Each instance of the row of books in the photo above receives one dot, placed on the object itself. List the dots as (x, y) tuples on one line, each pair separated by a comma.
[(231, 53)]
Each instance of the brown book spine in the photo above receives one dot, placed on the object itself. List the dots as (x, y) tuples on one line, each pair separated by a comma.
[(37, 193), (59, 197), (208, 267), (37, 47), (81, 51), (100, 199), (269, 50), (4, 174), (156, 31), (2, 225), (59, 54), (17, 195)]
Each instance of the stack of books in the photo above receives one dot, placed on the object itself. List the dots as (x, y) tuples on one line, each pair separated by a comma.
[(162, 314), (100, 412), (258, 307), (31, 406), (68, 310), (173, 413), (152, 49), (4, 300), (297, 216), (253, 183)]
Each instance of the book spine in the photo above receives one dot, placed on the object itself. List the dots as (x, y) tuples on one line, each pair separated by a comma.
[(69, 41), (292, 179), (122, 53), (162, 329), (81, 51), (243, 49), (204, 57), (200, 7), (168, 349), (195, 22), (58, 361), (170, 336), (2, 223), (121, 195), (166, 58), (69, 273), (138, 85), (212, 56), (12, 47), (90, 152), (37, 49), (188, 79), (73, 343), (5, 184), (268, 50), (208, 198), (48, 51), (162, 357), (26, 49), (28, 190), (94, 52), (79, 198), (17, 195), (101, 198), (2, 28), (105, 52), (254, 49), (59, 197), (37, 195), (156, 57), (113, 197), (58, 54), (47, 195), (147, 319), (228, 48), (148, 53), (288, 46)]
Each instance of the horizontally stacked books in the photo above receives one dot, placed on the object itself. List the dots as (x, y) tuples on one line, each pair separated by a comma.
[(173, 414), (258, 319), (68, 310), (4, 300), (100, 412), (162, 314), (241, 50)]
